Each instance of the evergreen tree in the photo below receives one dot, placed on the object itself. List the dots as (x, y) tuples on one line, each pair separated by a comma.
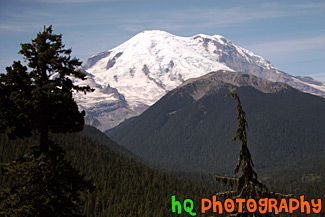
[(38, 99), (246, 185), (45, 184)]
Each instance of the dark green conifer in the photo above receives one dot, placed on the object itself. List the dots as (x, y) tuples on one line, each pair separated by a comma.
[(246, 185), (38, 99), (45, 184)]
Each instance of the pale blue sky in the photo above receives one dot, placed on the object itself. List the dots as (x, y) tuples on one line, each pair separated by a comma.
[(290, 34)]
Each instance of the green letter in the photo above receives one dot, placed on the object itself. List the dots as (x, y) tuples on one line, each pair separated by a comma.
[(190, 208), (176, 203)]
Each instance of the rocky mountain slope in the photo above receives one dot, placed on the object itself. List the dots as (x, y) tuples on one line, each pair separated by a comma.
[(131, 77)]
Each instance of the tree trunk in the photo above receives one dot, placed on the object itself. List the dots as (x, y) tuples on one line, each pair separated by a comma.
[(44, 147), (44, 134)]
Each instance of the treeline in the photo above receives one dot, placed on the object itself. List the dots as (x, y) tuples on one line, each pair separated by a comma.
[(123, 186), (307, 179)]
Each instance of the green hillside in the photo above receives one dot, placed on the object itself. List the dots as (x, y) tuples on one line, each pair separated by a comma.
[(124, 187), (181, 133), (189, 132)]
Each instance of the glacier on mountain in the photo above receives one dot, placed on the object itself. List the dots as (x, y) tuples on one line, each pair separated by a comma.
[(134, 75)]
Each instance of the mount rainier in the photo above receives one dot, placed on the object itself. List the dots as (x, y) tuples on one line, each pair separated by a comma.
[(134, 75)]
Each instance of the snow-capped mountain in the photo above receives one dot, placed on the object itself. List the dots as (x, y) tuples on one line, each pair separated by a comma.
[(134, 75)]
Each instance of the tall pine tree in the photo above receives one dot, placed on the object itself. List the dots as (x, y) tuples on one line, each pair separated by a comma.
[(246, 185), (38, 99)]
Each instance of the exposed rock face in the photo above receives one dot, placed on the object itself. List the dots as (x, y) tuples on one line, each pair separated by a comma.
[(214, 79)]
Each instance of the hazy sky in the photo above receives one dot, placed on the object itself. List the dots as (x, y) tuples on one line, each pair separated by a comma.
[(290, 34)]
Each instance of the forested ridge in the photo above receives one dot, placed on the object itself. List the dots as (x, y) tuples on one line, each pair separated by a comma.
[(181, 133)]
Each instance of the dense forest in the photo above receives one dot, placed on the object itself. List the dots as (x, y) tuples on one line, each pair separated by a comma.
[(181, 133), (127, 187), (124, 187)]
